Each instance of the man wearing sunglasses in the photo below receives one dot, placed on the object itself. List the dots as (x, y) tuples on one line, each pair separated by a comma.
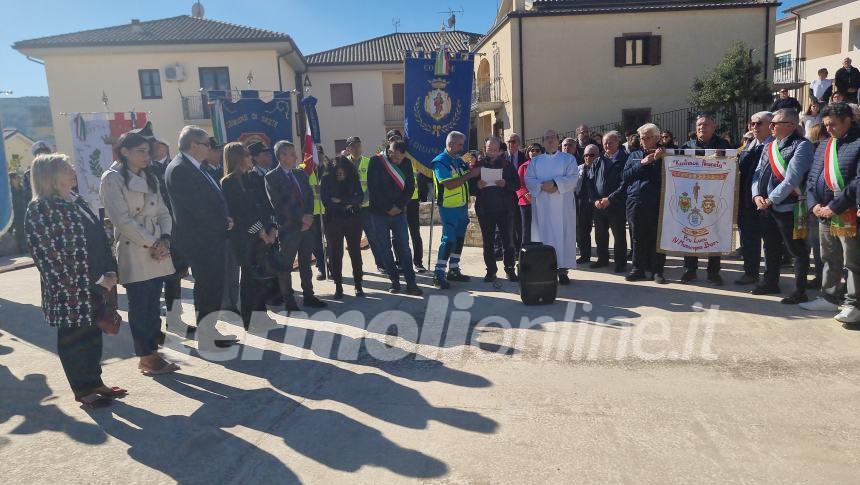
[(748, 220), (776, 193)]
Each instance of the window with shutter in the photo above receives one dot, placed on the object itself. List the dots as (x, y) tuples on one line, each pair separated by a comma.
[(341, 94), (638, 50)]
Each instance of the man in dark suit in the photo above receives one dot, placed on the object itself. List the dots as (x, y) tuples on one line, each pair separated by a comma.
[(292, 199), (517, 157), (201, 222), (607, 193)]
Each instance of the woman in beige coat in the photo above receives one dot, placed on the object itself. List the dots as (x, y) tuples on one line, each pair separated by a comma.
[(142, 226)]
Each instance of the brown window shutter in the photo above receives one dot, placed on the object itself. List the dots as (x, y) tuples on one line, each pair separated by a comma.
[(654, 49), (620, 52)]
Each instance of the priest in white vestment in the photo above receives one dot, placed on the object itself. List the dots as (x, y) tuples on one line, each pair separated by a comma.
[(552, 179)]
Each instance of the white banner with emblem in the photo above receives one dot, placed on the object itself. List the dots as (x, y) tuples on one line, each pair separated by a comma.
[(698, 203)]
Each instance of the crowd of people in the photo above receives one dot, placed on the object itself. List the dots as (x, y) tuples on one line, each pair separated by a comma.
[(242, 218)]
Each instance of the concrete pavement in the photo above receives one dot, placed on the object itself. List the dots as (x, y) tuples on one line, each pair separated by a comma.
[(614, 383)]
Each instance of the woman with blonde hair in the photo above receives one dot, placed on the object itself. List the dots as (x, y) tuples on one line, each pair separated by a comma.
[(72, 253), (253, 227), (142, 227)]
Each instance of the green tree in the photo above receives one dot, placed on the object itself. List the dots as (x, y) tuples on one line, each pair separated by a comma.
[(15, 163), (732, 88)]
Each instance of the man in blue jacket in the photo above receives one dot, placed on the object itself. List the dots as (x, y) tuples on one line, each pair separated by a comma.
[(831, 195), (606, 192), (776, 191)]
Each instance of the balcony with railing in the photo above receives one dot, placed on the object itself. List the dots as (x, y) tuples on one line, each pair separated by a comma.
[(196, 107), (789, 73), (394, 114), (488, 95)]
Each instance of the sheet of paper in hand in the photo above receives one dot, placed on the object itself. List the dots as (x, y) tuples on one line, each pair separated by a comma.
[(491, 175)]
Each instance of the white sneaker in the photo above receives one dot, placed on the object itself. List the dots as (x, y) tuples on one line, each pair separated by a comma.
[(849, 314), (819, 305)]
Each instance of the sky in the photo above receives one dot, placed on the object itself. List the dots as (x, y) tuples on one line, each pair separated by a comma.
[(315, 25)]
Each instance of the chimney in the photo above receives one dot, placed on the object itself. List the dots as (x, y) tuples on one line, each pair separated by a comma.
[(197, 10), (136, 27)]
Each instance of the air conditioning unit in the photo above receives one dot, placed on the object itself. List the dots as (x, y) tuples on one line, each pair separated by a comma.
[(174, 72)]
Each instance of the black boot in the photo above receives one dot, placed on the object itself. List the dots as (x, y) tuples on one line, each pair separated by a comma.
[(338, 291)]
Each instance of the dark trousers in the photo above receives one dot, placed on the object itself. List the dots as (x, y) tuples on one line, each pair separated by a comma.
[(691, 263), (614, 219), (526, 218), (489, 222), (394, 228), (299, 243), (253, 289), (749, 227), (517, 228), (80, 352), (777, 228), (414, 224), (144, 314), (172, 291), (208, 268), (643, 220), (318, 250), (584, 224), (20, 235), (337, 229)]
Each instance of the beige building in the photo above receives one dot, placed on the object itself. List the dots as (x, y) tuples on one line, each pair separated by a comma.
[(17, 145), (557, 63), (816, 34), (159, 67), (360, 86)]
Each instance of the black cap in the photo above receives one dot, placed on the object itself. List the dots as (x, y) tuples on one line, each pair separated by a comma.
[(393, 133), (257, 148), (352, 140), (145, 131)]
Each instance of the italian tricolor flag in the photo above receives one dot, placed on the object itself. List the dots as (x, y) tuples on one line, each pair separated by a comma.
[(777, 163), (844, 224)]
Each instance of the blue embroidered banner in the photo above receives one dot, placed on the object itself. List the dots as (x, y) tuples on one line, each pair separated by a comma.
[(310, 105), (5, 191), (436, 104), (250, 119)]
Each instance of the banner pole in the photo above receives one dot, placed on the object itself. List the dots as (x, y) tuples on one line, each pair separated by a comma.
[(432, 223)]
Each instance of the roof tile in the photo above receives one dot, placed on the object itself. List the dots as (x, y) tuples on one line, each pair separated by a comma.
[(389, 49)]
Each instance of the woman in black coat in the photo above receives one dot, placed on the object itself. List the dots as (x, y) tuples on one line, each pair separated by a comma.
[(342, 196), (72, 253), (253, 227)]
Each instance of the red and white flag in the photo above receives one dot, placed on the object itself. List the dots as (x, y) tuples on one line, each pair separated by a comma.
[(311, 157)]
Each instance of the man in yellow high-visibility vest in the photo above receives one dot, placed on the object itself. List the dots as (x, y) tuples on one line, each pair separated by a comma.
[(353, 146), (316, 227)]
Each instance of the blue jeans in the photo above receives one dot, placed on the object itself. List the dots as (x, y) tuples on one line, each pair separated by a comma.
[(367, 223), (144, 314), (454, 223), (384, 227)]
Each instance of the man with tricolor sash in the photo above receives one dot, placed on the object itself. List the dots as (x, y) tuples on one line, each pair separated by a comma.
[(390, 184), (780, 197), (831, 195)]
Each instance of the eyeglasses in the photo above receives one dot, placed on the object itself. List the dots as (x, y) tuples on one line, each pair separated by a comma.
[(206, 143), (756, 123), (589, 155), (781, 123)]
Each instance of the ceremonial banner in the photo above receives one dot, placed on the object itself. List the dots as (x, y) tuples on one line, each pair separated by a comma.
[(5, 191), (93, 137), (310, 106), (438, 97), (250, 119), (697, 206)]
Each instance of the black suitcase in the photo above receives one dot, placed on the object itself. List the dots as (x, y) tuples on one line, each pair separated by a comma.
[(538, 270)]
